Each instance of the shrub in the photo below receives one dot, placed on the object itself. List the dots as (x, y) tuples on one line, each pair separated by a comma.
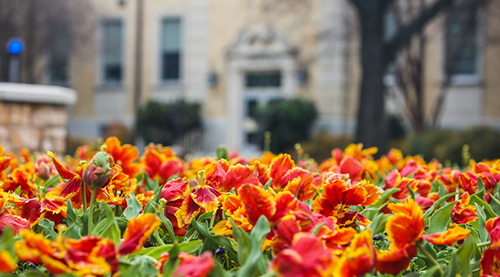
[(395, 126), (322, 143), (119, 130), (165, 122), (288, 120), (447, 144)]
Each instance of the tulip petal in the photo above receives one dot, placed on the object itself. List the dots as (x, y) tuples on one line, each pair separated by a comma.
[(257, 202), (7, 263), (449, 237), (137, 232), (393, 261), (63, 172)]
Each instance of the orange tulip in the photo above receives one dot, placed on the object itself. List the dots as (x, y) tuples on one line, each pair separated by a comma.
[(493, 228), (7, 263), (462, 212), (395, 260), (161, 163), (138, 231), (8, 217), (449, 237), (83, 257), (124, 155), (236, 176), (257, 202), (308, 257), (4, 160), (337, 199), (189, 265), (174, 192), (202, 198), (359, 258), (407, 224), (192, 266), (20, 178), (490, 263), (302, 185), (394, 180), (278, 169), (71, 187)]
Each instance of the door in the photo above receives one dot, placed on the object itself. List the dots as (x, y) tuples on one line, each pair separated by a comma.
[(260, 88)]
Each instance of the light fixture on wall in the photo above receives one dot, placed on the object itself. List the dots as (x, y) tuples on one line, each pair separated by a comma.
[(121, 3), (212, 78), (302, 76)]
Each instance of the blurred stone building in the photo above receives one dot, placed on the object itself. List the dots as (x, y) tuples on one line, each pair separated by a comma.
[(232, 55)]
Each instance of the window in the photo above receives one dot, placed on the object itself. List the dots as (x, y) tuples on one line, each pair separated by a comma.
[(112, 47), (170, 49), (263, 79), (462, 41), (58, 66)]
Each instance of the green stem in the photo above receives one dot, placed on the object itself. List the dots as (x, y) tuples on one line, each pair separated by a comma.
[(482, 244), (422, 249), (91, 211), (494, 199), (84, 197), (157, 237), (39, 189), (191, 237), (212, 219)]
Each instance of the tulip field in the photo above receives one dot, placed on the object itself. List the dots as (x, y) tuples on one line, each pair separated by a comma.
[(113, 212)]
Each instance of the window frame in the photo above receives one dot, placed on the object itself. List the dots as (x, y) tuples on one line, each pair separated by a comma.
[(100, 46), (162, 19), (48, 75), (465, 79)]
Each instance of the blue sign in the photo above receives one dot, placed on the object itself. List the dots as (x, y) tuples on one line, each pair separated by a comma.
[(15, 46)]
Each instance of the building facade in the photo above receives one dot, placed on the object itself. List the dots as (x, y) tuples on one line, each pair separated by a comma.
[(233, 55)]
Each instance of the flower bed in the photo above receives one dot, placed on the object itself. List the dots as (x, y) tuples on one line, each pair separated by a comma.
[(112, 213)]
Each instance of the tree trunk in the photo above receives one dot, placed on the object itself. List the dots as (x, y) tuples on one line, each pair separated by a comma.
[(372, 126), (29, 51)]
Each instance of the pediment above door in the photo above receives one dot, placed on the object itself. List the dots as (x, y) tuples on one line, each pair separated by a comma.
[(260, 42)]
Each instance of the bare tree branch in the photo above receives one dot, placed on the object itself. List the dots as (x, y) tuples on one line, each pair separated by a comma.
[(448, 66), (404, 34)]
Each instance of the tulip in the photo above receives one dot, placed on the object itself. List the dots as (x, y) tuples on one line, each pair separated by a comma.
[(99, 171), (97, 175)]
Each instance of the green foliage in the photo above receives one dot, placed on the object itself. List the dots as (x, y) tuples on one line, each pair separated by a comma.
[(289, 120), (396, 127), (447, 144), (441, 219), (321, 144), (155, 252), (165, 122), (250, 248), (142, 266), (133, 207), (213, 241), (222, 153)]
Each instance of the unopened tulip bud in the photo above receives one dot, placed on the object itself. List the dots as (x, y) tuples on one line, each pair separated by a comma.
[(43, 171), (99, 171)]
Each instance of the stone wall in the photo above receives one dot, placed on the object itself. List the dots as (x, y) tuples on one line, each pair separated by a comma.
[(36, 126)]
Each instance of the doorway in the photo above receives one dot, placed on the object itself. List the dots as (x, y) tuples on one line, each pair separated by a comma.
[(260, 88)]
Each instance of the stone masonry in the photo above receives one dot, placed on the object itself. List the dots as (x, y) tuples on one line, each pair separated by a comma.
[(34, 117), (37, 127)]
